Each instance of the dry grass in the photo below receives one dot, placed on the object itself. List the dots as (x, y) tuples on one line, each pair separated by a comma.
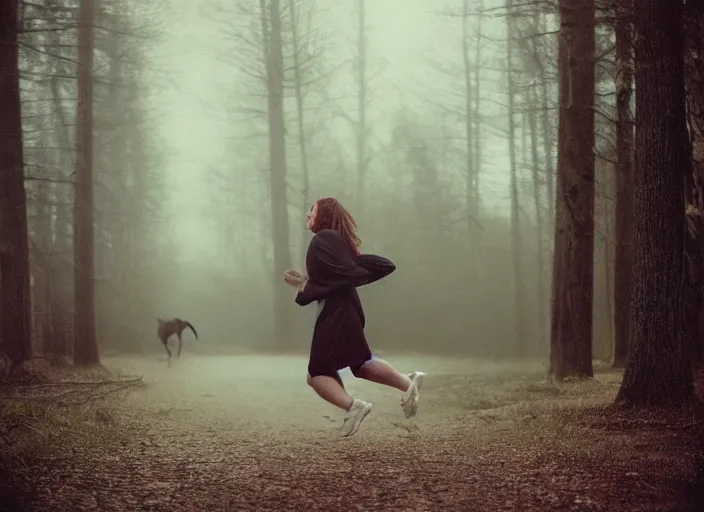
[(244, 433), (38, 434)]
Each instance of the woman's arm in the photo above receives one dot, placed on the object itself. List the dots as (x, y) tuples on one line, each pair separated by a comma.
[(304, 297), (378, 267), (335, 268)]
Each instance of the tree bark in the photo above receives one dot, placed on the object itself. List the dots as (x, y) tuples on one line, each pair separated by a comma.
[(694, 242), (298, 86), (277, 173), (15, 301), (624, 183), (658, 372), (573, 261), (85, 344)]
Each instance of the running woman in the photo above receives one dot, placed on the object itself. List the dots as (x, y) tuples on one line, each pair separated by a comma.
[(335, 268)]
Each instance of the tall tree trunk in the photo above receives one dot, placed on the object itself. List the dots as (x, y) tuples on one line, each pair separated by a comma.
[(361, 104), (605, 217), (658, 372), (694, 242), (277, 173), (573, 260), (298, 85), (476, 112), (60, 292), (519, 314), (542, 102), (472, 191), (468, 128), (15, 302), (86, 346), (624, 183), (539, 220), (40, 262), (547, 133)]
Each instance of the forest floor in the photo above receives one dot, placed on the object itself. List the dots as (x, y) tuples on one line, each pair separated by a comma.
[(246, 433)]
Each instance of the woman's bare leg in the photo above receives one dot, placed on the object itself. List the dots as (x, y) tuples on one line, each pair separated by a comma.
[(331, 390), (381, 372)]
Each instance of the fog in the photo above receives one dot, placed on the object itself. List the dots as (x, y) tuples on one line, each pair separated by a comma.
[(221, 228), (193, 167)]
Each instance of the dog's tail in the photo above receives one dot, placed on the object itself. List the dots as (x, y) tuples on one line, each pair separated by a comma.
[(190, 326)]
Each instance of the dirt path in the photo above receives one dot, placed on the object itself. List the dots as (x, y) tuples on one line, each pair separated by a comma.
[(246, 433)]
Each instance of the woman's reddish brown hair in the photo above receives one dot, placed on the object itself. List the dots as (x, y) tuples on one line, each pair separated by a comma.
[(332, 215)]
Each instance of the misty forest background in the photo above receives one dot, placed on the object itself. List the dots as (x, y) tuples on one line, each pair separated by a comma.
[(169, 151)]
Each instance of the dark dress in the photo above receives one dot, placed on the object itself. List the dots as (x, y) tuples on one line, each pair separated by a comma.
[(333, 275)]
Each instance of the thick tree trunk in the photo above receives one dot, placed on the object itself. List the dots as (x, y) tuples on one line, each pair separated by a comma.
[(573, 261), (85, 345), (15, 308), (277, 162), (694, 87), (658, 372), (624, 184)]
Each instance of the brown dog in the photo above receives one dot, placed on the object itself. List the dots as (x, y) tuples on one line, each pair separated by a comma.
[(168, 328)]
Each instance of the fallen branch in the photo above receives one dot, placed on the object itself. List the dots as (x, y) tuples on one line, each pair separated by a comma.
[(103, 395), (65, 397), (79, 383), (45, 398)]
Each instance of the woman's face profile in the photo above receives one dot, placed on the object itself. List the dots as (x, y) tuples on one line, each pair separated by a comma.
[(311, 215)]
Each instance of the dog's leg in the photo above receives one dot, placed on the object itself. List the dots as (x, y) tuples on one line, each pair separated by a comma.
[(168, 352), (180, 343)]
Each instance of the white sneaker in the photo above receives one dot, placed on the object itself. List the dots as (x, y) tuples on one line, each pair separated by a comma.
[(354, 417), (409, 403)]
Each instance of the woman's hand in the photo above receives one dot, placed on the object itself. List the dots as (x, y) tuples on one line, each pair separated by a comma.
[(295, 279)]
